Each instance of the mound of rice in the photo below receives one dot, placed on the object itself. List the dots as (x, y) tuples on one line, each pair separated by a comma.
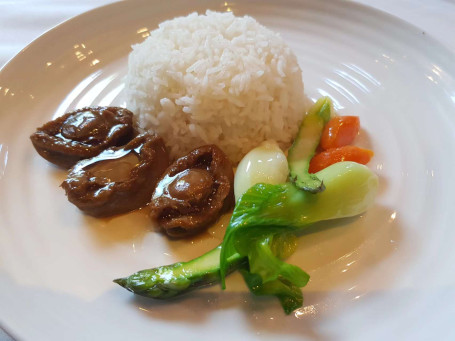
[(215, 78)]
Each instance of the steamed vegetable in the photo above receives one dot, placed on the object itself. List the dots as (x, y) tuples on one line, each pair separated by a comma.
[(179, 278), (258, 237), (265, 211), (263, 164), (340, 131), (334, 155), (305, 144), (269, 275)]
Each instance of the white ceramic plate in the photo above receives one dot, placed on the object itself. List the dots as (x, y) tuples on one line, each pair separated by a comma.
[(386, 274)]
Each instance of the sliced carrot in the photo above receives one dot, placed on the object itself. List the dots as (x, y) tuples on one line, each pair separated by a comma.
[(334, 155), (340, 131)]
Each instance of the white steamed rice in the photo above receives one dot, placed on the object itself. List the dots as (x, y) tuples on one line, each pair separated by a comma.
[(215, 78)]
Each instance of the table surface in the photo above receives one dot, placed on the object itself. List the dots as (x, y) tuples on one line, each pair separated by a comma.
[(22, 21)]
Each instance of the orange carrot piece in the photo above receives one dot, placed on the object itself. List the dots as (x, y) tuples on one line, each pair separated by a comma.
[(334, 155), (340, 131)]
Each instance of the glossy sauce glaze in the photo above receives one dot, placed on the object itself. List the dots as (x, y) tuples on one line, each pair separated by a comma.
[(115, 169), (119, 179), (192, 185), (83, 134)]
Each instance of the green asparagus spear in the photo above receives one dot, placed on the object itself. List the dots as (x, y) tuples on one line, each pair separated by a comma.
[(179, 278), (305, 144)]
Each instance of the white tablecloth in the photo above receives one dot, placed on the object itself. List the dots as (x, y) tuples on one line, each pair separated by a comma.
[(22, 21)]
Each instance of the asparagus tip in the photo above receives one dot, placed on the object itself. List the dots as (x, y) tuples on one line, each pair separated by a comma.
[(120, 281)]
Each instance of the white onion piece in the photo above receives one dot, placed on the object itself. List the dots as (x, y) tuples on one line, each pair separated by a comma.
[(263, 164)]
